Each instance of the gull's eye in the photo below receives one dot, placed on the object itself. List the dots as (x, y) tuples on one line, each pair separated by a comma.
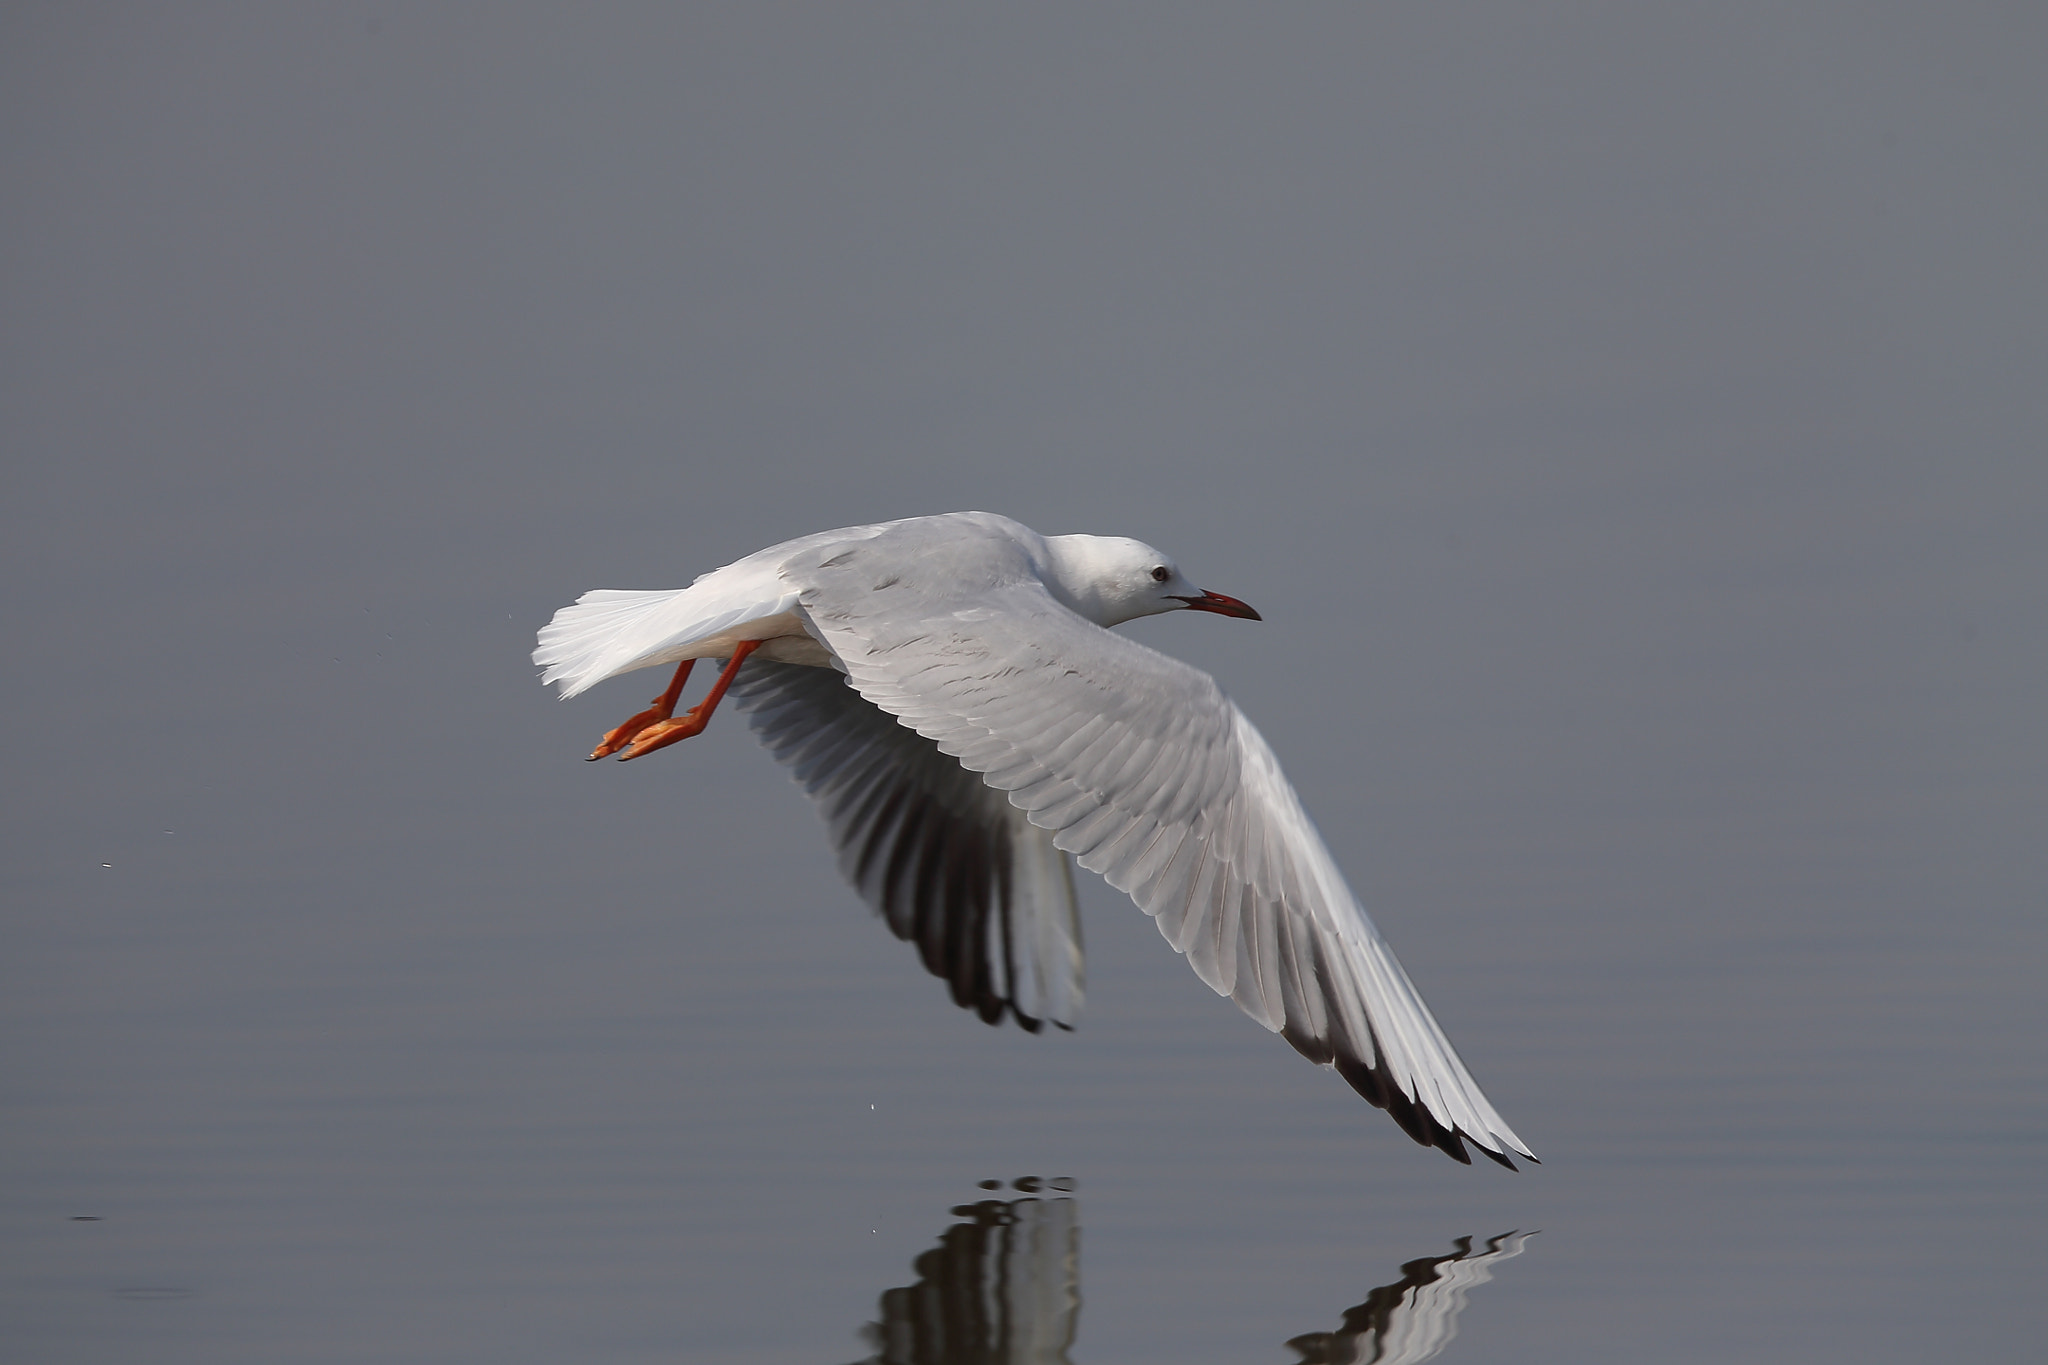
[(1161, 574)]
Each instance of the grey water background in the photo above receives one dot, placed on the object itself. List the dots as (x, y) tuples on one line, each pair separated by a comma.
[(1630, 421)]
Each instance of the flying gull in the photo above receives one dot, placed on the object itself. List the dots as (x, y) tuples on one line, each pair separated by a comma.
[(948, 692)]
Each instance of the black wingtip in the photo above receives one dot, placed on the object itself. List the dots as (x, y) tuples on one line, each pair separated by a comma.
[(1415, 1120)]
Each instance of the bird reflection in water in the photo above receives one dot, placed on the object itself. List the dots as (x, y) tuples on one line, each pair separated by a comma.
[(1415, 1317), (1003, 1287)]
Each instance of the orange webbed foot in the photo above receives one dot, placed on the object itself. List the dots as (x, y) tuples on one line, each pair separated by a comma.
[(658, 711), (663, 733), (617, 739)]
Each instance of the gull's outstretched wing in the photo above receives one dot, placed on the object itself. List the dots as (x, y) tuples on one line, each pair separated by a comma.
[(1146, 773), (944, 858)]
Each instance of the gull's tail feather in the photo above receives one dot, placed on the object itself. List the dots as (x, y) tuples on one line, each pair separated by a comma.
[(598, 636)]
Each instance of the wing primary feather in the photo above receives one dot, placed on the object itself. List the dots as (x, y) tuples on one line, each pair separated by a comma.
[(922, 858), (1026, 992), (881, 858), (902, 858)]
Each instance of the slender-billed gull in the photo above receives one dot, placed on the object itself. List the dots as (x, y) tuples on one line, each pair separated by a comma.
[(947, 691)]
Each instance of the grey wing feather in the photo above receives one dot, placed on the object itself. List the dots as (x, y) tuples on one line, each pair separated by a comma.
[(1147, 774), (944, 858)]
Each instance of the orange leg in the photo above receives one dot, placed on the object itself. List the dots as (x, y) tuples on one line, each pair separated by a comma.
[(663, 733), (664, 706)]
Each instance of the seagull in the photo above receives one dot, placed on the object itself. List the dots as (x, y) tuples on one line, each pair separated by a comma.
[(948, 692)]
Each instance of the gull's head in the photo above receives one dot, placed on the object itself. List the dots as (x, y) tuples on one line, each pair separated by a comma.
[(1112, 579)]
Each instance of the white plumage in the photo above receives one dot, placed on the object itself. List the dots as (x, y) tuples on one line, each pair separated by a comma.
[(946, 690)]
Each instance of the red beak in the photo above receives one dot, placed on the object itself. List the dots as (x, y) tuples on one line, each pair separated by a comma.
[(1221, 605)]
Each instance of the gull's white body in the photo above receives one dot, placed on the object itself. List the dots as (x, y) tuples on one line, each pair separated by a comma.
[(946, 690)]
